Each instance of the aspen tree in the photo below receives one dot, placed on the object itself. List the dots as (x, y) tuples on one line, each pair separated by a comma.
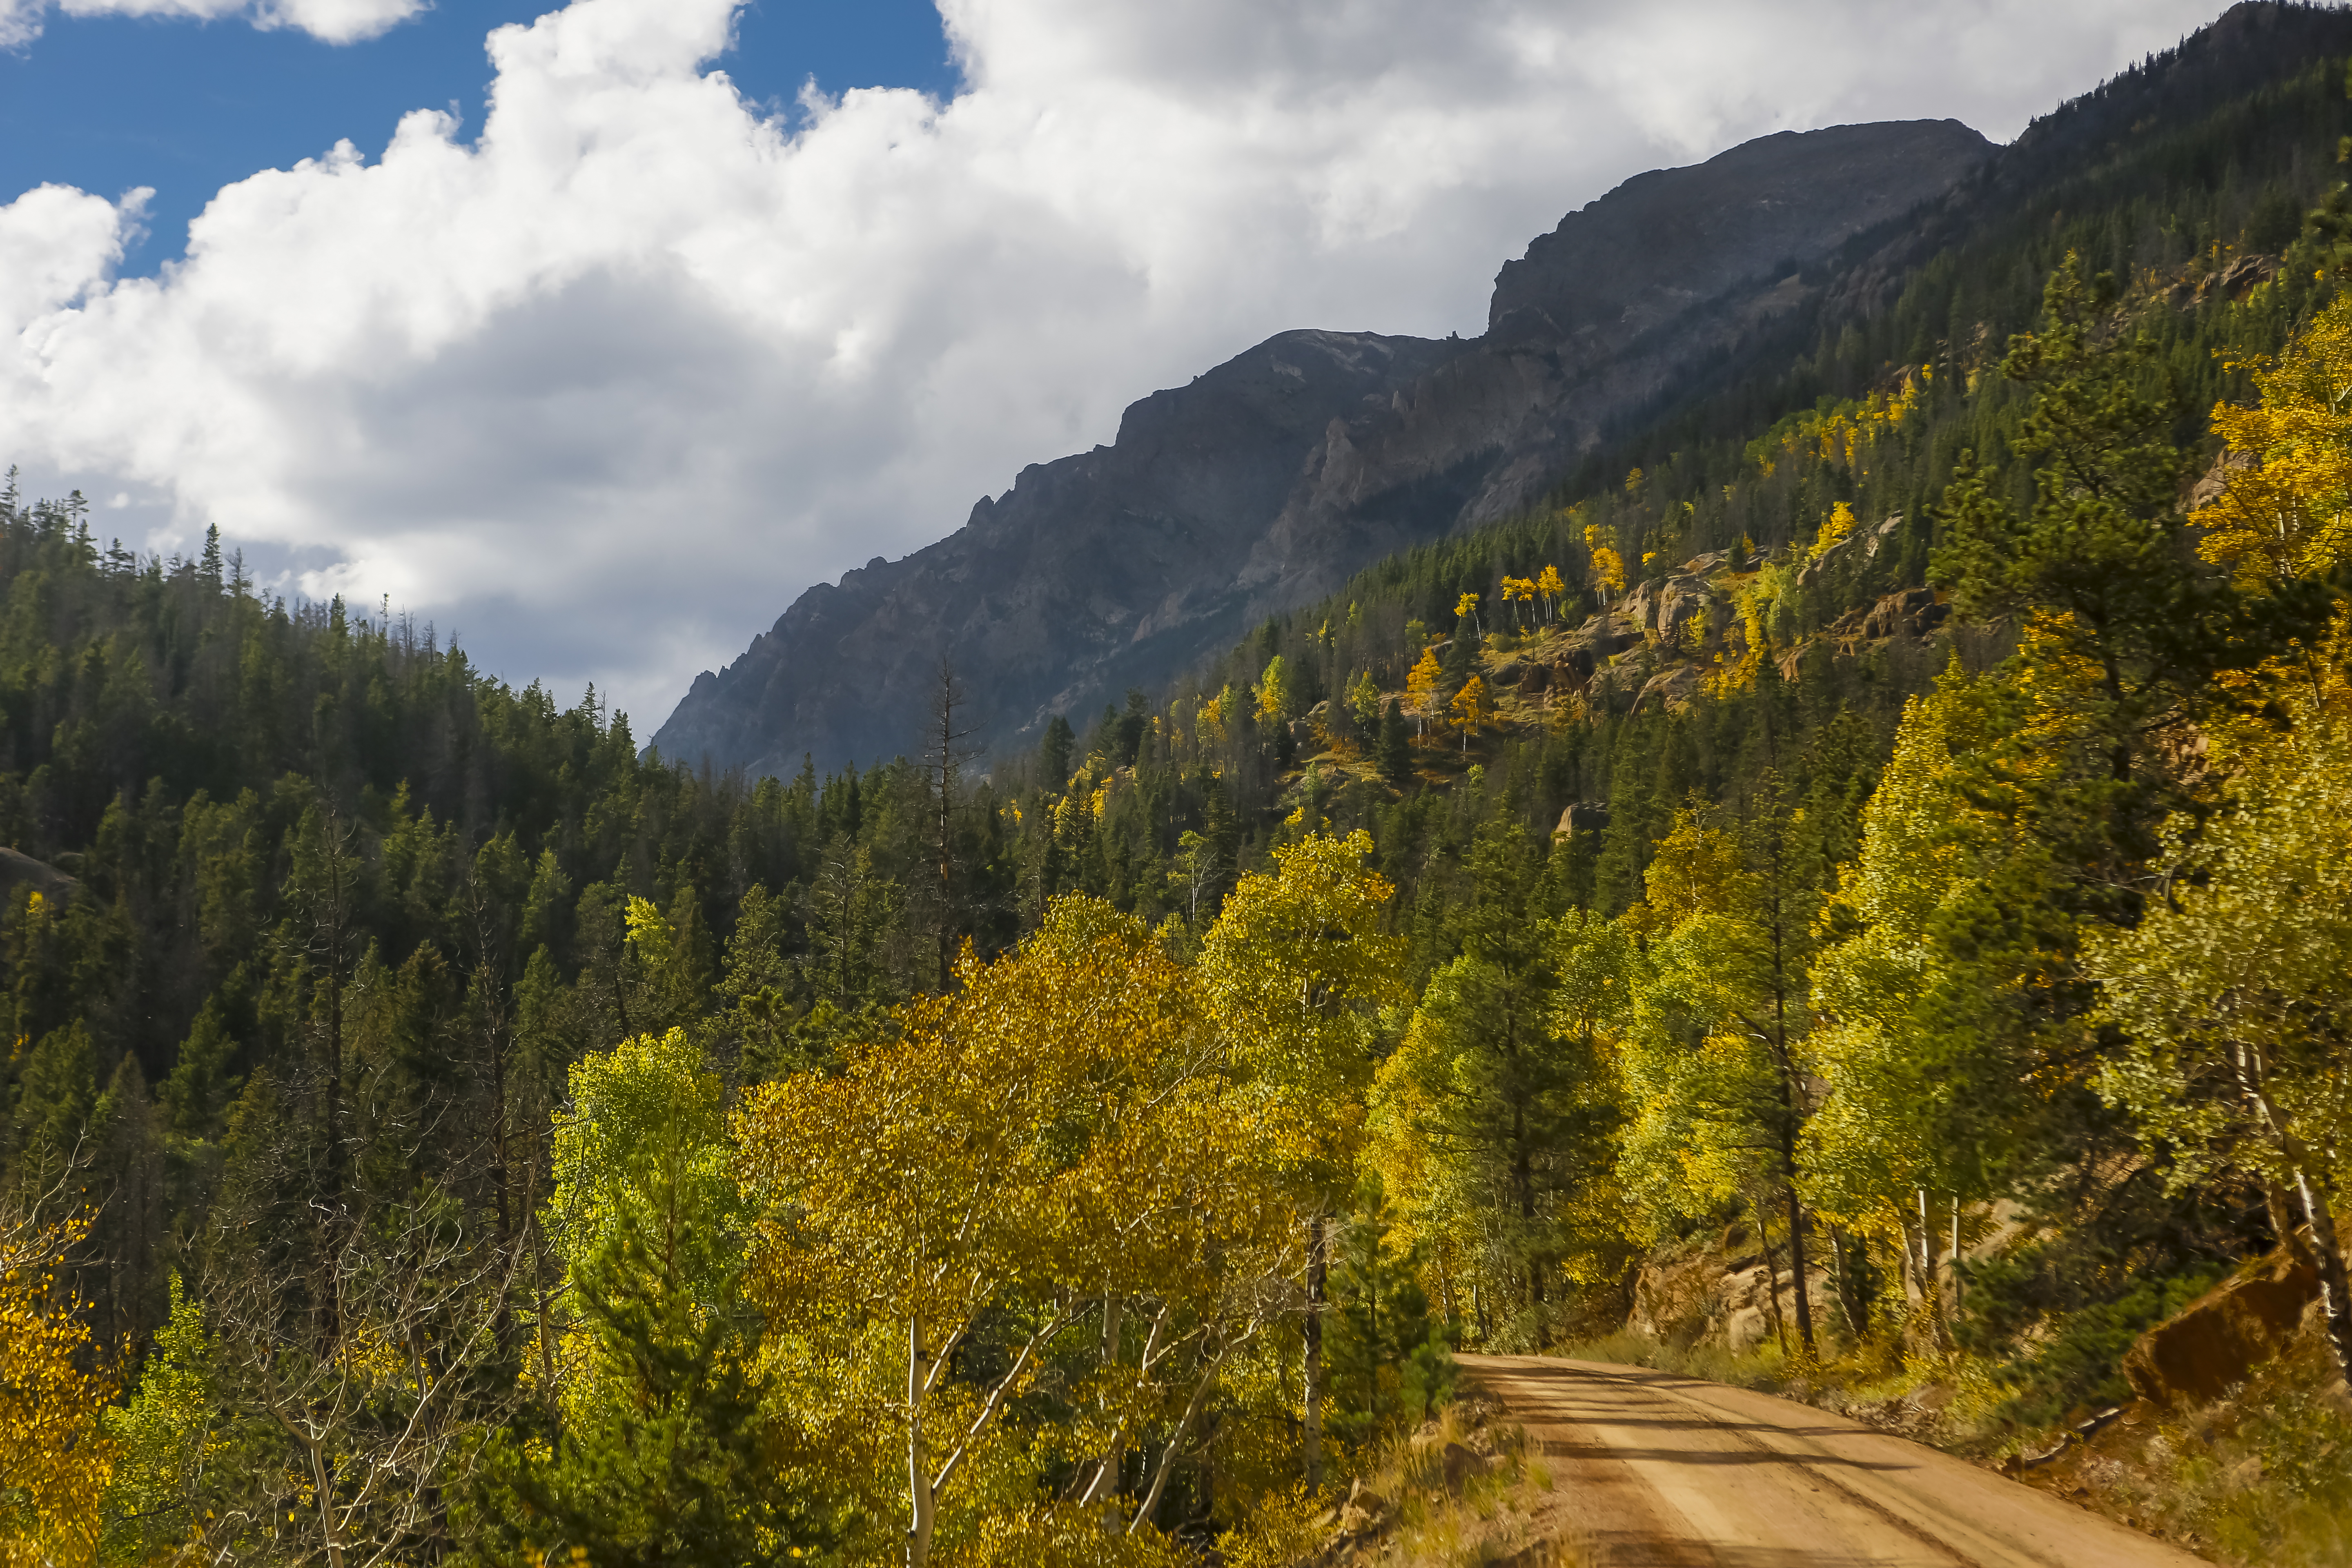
[(1275, 700), (2232, 988), (1716, 1058), (55, 1459), (165, 1441), (1053, 1141), (1420, 686), (1608, 565), (2286, 512), (1552, 587), (1903, 1042), (1287, 972), (1470, 709)]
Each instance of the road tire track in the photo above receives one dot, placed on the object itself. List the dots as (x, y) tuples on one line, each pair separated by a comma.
[(1660, 1471)]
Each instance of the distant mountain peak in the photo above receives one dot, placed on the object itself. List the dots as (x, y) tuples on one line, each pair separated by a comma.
[(1268, 478)]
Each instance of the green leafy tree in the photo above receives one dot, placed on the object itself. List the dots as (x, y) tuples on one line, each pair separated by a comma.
[(1717, 1061), (663, 1443), (2231, 991)]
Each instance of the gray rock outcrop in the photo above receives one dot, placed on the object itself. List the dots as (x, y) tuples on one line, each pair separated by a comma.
[(1269, 479)]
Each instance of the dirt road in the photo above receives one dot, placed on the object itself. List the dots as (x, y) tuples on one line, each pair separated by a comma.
[(1658, 1470)]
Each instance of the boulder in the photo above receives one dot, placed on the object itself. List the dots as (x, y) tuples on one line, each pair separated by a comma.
[(1680, 600), (1912, 614), (1582, 819), (1879, 535), (1671, 688), (2209, 487), (2213, 1342), (1458, 1464), (19, 871), (1608, 632), (1676, 1299)]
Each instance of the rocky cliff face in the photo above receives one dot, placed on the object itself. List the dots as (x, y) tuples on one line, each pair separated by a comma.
[(1269, 479)]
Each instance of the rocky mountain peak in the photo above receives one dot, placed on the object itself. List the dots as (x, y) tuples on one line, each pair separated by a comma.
[(1269, 479)]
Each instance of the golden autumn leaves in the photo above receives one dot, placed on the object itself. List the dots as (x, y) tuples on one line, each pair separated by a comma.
[(54, 1459), (1087, 1139), (2286, 508)]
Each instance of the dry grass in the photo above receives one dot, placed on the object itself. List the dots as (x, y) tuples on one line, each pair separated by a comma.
[(1465, 1491)]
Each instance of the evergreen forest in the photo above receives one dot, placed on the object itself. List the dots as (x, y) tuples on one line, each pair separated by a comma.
[(1890, 817)]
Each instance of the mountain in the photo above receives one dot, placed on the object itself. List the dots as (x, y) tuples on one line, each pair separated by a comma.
[(1274, 476)]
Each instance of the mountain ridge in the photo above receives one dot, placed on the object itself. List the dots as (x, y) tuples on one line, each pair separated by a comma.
[(1268, 478)]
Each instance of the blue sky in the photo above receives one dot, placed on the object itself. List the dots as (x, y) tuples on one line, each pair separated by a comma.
[(108, 103), (605, 380)]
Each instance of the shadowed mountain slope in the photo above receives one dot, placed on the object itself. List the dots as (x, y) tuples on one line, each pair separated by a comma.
[(1269, 480), (1287, 468)]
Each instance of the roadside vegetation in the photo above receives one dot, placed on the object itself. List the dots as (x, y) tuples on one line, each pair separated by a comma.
[(1859, 896)]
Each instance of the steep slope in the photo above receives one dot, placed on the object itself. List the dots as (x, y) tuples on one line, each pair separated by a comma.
[(1112, 562), (1276, 474), (1612, 312)]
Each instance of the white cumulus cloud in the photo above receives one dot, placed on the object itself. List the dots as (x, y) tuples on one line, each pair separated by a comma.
[(604, 386), (336, 21)]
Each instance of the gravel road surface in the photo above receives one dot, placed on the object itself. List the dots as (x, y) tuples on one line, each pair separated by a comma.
[(1658, 1471)]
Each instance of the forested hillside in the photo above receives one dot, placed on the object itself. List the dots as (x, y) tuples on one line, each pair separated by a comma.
[(1894, 811)]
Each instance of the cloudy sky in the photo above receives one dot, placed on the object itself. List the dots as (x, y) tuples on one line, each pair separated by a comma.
[(595, 335)]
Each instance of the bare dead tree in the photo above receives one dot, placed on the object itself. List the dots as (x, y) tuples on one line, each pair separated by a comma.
[(379, 1416)]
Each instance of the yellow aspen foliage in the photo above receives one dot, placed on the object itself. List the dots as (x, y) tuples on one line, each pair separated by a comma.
[(1420, 686), (1275, 700), (1289, 956), (163, 1440), (1608, 566), (1879, 1051), (1694, 869), (1842, 435), (1207, 728), (1552, 587), (1058, 1130), (55, 1461), (1465, 608), (2288, 514), (1470, 708), (2230, 989), (1833, 532)]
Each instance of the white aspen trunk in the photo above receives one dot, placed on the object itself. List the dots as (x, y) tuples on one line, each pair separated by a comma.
[(1311, 1358), (1927, 1250), (1105, 1480), (920, 1496), (1106, 1483), (2329, 1252), (1915, 1288), (1175, 1445), (1952, 1255), (2327, 1247), (326, 1490)]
